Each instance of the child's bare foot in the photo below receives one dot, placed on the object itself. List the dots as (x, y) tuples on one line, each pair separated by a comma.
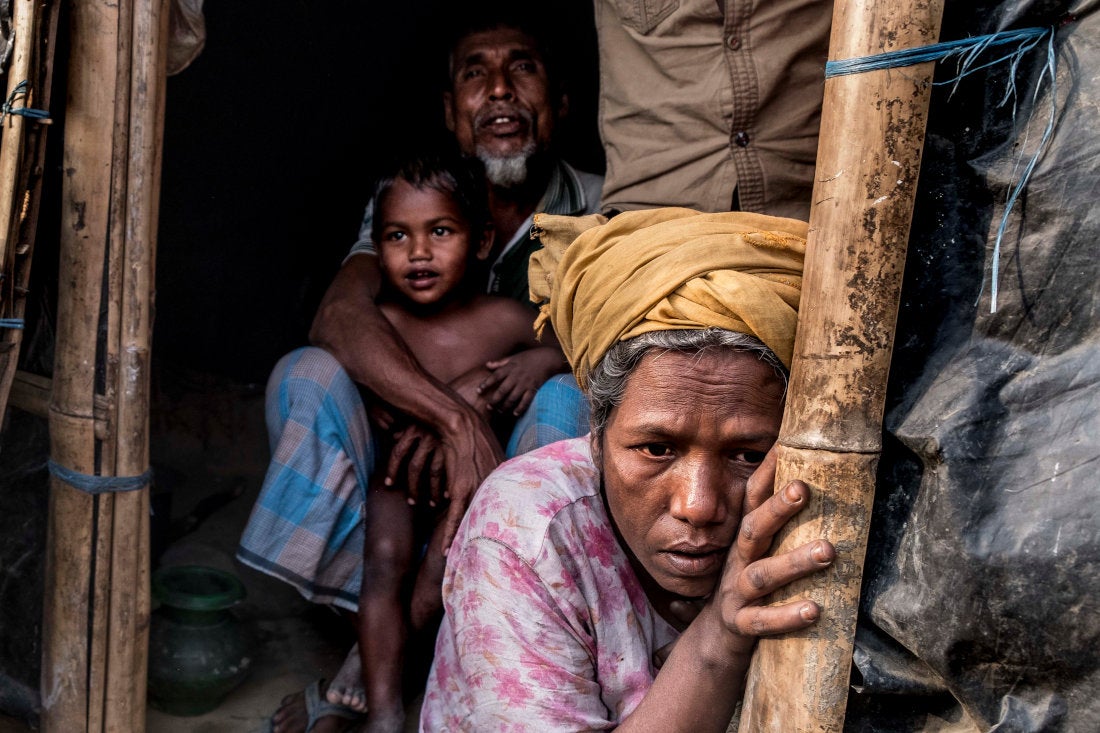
[(309, 711), (346, 687)]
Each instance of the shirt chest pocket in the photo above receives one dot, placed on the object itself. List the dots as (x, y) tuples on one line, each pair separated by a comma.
[(644, 15)]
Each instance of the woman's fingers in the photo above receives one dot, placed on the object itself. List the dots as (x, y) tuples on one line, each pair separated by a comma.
[(751, 575), (769, 574), (761, 484), (741, 595), (771, 620), (759, 526)]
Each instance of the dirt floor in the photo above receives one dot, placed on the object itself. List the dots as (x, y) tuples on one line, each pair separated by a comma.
[(209, 454)]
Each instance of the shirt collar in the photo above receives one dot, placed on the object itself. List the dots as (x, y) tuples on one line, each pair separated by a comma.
[(564, 195)]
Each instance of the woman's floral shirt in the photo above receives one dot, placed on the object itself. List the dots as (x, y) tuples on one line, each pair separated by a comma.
[(546, 627)]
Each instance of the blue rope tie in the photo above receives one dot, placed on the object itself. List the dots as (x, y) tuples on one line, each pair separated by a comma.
[(90, 484), (934, 52), (969, 49), (15, 323), (19, 92)]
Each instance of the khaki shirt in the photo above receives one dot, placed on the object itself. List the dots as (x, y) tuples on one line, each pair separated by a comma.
[(700, 99)]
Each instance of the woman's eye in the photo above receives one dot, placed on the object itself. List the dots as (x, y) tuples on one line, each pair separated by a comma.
[(657, 450), (752, 457)]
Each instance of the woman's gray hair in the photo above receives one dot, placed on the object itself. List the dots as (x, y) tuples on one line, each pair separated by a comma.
[(607, 381)]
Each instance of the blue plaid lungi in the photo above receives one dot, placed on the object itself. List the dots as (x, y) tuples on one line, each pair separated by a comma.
[(307, 527)]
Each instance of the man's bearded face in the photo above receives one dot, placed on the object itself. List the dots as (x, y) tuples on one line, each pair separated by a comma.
[(500, 107)]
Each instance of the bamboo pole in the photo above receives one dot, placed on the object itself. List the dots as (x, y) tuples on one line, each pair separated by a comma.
[(154, 79), (872, 133), (11, 146), (31, 393), (29, 194), (130, 572), (12, 178), (72, 526), (101, 630)]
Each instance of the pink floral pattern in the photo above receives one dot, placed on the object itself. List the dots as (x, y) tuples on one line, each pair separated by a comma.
[(546, 628)]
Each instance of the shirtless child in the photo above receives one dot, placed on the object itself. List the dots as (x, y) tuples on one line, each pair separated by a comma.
[(433, 233)]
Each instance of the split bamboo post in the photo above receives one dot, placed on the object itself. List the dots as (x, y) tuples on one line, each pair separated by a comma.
[(11, 192), (28, 193), (872, 134), (11, 144), (116, 245), (77, 521), (130, 575)]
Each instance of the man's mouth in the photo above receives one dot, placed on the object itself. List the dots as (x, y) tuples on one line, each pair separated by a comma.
[(502, 123)]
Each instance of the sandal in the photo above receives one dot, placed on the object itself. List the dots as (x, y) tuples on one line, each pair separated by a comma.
[(318, 707)]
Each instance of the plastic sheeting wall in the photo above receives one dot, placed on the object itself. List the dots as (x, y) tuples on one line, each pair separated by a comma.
[(979, 603)]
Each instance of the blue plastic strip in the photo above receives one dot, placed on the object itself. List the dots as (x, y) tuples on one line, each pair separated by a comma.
[(20, 90), (1025, 39), (934, 52), (14, 323)]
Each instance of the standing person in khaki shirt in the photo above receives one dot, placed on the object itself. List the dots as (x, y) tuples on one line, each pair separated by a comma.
[(711, 104)]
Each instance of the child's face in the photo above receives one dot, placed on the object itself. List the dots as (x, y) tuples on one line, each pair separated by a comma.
[(424, 242)]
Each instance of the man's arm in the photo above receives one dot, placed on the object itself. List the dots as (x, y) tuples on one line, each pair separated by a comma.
[(350, 326)]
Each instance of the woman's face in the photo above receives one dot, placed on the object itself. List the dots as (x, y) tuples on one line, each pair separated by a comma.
[(676, 456)]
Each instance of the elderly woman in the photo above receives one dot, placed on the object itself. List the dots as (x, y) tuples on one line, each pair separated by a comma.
[(578, 565)]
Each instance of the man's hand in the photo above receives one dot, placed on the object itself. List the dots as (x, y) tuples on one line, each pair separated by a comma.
[(470, 453), (424, 447), (457, 463), (514, 379)]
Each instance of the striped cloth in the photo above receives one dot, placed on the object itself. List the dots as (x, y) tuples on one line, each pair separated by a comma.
[(307, 527), (558, 412)]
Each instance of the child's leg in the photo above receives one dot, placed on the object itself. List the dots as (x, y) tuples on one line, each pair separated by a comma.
[(388, 557), (426, 605), (425, 613)]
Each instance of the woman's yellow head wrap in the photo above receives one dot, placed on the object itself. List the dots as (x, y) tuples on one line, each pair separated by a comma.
[(607, 280)]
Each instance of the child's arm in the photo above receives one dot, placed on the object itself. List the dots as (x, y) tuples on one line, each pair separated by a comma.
[(350, 326), (513, 380), (468, 387)]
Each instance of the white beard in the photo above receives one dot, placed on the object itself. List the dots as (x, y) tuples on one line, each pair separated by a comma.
[(509, 171)]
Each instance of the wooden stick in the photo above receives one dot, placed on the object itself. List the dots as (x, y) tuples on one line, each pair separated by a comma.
[(129, 582), (66, 655), (100, 671), (25, 226), (112, 343), (155, 65), (872, 133), (11, 145), (31, 393)]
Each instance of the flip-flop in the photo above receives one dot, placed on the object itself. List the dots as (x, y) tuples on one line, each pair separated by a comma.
[(318, 707)]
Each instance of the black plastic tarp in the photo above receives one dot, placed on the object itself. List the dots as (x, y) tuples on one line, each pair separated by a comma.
[(979, 607)]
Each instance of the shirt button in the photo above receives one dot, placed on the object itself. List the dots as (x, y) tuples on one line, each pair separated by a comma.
[(733, 42), (742, 139)]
